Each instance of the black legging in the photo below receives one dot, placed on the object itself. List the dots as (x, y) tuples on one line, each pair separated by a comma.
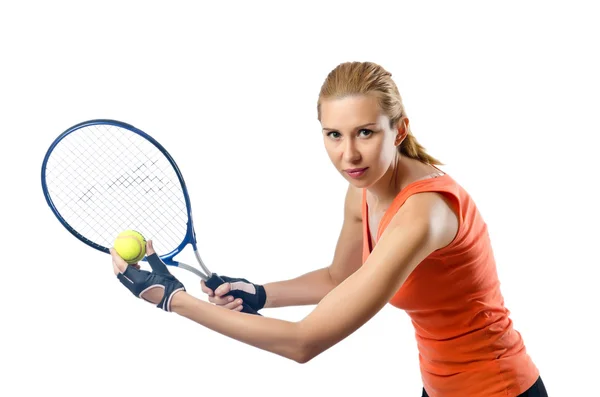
[(537, 390)]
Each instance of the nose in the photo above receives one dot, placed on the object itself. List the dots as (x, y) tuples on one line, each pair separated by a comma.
[(351, 153)]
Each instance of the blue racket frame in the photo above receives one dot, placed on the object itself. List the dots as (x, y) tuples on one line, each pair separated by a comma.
[(190, 236), (212, 280)]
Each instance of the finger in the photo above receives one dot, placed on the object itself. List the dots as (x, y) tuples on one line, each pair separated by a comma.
[(221, 301), (223, 289), (136, 265), (149, 248), (231, 304), (119, 264), (115, 268), (239, 308), (205, 289), (234, 305)]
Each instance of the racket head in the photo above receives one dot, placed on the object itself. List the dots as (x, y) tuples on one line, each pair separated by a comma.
[(103, 176)]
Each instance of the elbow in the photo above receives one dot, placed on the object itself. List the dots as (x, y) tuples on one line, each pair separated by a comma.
[(307, 347), (301, 358), (304, 354)]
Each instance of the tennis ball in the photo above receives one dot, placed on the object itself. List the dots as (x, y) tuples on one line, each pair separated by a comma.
[(131, 246)]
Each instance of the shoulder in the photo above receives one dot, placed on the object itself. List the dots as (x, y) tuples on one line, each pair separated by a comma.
[(430, 212), (353, 203)]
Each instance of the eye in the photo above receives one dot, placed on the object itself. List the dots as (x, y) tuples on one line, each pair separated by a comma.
[(334, 134), (365, 132)]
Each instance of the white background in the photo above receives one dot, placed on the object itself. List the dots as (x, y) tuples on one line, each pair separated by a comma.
[(506, 95)]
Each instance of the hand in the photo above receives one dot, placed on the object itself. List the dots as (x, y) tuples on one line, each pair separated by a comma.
[(157, 287), (221, 298), (234, 292)]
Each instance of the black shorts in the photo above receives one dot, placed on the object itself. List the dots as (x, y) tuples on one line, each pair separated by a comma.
[(537, 390)]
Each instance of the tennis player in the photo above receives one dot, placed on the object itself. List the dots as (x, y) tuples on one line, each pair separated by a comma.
[(411, 237)]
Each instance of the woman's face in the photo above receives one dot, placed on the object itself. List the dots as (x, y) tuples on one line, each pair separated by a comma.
[(358, 138)]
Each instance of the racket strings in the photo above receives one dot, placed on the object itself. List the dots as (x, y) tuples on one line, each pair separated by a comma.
[(119, 184), (104, 179)]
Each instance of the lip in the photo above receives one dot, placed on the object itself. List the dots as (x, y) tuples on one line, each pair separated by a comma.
[(356, 172)]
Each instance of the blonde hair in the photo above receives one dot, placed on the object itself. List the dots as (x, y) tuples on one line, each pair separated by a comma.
[(368, 78)]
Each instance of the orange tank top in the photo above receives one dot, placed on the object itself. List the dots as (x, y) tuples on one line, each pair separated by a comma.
[(466, 340)]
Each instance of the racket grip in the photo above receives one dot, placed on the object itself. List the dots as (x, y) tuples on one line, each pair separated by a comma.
[(215, 281)]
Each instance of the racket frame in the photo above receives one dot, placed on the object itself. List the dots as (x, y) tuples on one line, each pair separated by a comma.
[(190, 235)]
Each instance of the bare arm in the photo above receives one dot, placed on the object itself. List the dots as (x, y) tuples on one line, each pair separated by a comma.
[(307, 289), (424, 223), (310, 288)]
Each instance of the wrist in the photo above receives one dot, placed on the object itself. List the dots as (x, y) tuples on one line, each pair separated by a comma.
[(178, 300), (268, 298)]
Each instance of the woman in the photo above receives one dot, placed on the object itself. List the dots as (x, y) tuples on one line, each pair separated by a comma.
[(411, 237)]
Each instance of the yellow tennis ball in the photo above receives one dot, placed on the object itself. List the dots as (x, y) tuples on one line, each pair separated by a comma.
[(131, 246)]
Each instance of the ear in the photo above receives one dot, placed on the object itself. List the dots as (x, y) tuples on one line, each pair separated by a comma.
[(401, 131)]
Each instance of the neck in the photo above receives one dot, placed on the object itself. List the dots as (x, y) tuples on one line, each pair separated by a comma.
[(389, 185), (401, 172)]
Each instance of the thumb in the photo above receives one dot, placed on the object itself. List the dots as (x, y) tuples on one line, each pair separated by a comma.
[(157, 265), (223, 289), (150, 248)]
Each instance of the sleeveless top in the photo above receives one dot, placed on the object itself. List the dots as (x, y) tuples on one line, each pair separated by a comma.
[(466, 340)]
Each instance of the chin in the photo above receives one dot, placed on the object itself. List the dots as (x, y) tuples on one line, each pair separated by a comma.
[(358, 183)]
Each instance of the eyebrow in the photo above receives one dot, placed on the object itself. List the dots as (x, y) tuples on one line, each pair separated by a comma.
[(357, 128)]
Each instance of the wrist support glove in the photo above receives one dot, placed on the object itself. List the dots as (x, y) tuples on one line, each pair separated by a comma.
[(252, 295), (140, 281)]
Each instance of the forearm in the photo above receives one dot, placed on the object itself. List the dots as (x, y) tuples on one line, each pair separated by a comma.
[(276, 336), (307, 289)]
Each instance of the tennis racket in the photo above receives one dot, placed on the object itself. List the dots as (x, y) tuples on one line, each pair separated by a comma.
[(101, 177)]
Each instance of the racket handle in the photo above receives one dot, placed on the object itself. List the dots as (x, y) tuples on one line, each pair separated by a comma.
[(215, 281)]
